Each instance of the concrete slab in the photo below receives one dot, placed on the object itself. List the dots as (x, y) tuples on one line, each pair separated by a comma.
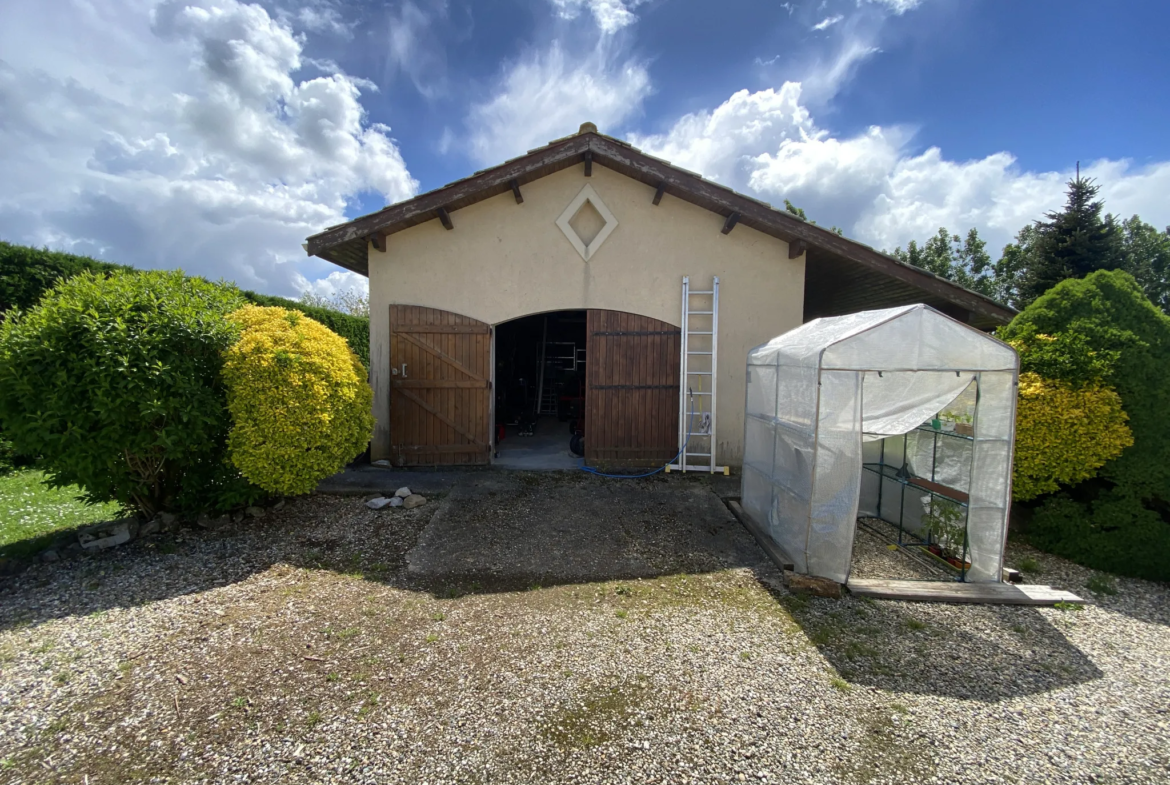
[(510, 531)]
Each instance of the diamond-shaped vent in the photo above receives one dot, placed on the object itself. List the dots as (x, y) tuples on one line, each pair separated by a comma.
[(586, 222)]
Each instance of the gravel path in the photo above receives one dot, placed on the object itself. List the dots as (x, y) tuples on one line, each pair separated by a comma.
[(296, 649)]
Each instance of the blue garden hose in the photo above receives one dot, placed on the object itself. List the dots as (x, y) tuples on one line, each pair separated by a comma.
[(686, 441)]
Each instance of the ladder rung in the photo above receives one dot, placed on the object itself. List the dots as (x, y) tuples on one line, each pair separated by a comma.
[(700, 454), (698, 373), (694, 292), (700, 313), (698, 352), (700, 392), (699, 332)]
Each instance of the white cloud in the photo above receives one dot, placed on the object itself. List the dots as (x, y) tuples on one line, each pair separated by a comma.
[(873, 185), (897, 7), (337, 282), (544, 96), (414, 48), (188, 141), (827, 22), (610, 15)]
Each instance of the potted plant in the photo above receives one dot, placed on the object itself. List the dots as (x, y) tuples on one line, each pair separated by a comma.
[(945, 522), (965, 425)]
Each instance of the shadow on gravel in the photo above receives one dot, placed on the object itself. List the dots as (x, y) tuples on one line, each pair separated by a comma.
[(503, 531), (507, 532), (972, 652), (492, 532)]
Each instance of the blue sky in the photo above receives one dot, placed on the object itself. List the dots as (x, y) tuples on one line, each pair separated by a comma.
[(215, 135)]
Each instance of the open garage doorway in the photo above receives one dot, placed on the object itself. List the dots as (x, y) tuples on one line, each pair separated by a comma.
[(540, 383)]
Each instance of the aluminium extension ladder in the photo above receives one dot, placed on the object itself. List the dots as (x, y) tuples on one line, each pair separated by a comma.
[(699, 362)]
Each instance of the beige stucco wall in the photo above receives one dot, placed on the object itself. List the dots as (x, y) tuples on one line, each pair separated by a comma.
[(505, 260)]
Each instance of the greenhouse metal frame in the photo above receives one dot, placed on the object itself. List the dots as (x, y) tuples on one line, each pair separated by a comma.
[(817, 393)]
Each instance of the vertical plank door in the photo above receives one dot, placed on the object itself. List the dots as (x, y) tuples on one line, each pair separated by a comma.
[(440, 387), (631, 397)]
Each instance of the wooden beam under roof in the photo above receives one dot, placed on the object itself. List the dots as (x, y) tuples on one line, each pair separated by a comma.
[(588, 163), (796, 249), (378, 240), (516, 190), (730, 222), (659, 192), (445, 218)]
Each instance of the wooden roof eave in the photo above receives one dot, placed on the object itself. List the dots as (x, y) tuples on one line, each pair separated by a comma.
[(347, 244)]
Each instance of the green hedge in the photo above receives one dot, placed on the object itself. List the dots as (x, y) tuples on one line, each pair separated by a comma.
[(26, 273), (1119, 521)]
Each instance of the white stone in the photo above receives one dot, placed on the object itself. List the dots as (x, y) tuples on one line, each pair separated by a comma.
[(402, 492), (377, 504), (385, 464), (396, 501), (148, 528), (105, 536)]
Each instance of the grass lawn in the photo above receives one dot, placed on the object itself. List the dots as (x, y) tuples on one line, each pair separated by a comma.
[(31, 512)]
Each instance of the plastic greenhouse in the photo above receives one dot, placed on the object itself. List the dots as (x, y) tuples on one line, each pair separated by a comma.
[(820, 396)]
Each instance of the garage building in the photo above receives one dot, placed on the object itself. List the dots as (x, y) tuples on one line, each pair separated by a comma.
[(547, 293)]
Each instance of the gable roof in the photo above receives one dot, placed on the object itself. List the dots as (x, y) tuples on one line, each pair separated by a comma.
[(874, 278)]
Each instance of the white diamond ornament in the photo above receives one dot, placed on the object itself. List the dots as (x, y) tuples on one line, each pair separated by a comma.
[(587, 194)]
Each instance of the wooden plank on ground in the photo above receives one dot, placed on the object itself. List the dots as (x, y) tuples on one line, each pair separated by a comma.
[(954, 591)]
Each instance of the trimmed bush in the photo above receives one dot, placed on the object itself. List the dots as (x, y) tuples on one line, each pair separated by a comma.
[(1114, 532), (299, 399), (354, 329), (1064, 434), (1120, 521), (115, 383), (1115, 320)]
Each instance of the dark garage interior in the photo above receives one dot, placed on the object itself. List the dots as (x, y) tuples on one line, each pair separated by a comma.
[(540, 391)]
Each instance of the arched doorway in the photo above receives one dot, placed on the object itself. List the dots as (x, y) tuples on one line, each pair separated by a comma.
[(457, 385)]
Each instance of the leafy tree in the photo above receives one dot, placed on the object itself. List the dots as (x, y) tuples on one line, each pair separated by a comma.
[(1146, 256), (348, 301), (962, 260), (1073, 242), (799, 213)]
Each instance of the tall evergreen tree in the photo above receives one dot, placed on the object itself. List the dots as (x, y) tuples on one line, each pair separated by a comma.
[(1073, 242)]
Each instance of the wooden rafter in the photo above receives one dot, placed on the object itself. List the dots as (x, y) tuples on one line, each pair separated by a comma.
[(516, 190), (796, 249), (378, 240), (588, 163), (658, 192), (445, 218), (730, 222)]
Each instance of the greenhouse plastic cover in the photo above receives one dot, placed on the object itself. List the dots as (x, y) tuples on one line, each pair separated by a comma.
[(815, 393)]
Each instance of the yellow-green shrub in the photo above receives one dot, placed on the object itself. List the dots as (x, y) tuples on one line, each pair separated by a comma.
[(1064, 434), (299, 400)]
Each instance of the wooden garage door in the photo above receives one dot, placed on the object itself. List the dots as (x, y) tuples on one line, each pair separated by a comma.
[(632, 378), (440, 387)]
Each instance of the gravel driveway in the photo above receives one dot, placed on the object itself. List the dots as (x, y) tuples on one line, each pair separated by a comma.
[(325, 643)]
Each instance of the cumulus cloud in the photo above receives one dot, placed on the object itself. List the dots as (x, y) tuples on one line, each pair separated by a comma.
[(873, 184), (546, 95), (196, 145), (610, 15)]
